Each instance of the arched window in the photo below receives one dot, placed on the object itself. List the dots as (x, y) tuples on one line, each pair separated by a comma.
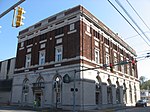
[(109, 92), (57, 90), (25, 86), (40, 82), (25, 91)]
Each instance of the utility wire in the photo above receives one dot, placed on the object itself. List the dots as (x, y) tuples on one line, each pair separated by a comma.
[(135, 35), (127, 21), (133, 21), (137, 14)]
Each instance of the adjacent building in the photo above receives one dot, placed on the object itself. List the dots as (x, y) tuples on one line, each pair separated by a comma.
[(7, 68), (145, 95), (71, 59)]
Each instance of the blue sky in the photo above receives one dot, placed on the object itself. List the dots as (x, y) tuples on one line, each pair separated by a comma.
[(37, 10)]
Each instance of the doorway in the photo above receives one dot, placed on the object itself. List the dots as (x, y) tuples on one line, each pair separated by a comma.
[(38, 99)]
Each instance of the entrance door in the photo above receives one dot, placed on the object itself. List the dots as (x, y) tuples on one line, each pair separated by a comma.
[(38, 99)]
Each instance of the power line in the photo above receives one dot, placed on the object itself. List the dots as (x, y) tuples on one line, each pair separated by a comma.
[(127, 21), (133, 21), (135, 35), (137, 14)]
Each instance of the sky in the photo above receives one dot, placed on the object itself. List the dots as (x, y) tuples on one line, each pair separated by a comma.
[(37, 10)]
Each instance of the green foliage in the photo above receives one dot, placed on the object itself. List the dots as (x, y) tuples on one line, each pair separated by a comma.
[(142, 79), (145, 85)]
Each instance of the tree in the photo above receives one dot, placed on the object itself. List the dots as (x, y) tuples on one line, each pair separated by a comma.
[(145, 85), (142, 79)]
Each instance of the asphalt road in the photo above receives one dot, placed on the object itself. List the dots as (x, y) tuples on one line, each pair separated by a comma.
[(133, 109), (136, 109)]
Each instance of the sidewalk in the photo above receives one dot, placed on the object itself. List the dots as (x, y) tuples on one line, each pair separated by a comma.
[(60, 110), (114, 109)]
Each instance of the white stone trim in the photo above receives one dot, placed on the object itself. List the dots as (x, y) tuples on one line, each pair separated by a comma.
[(61, 35), (42, 41), (29, 45), (73, 31)]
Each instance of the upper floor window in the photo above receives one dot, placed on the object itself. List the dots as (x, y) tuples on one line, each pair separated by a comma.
[(22, 44), (115, 60), (71, 27), (122, 66), (30, 41), (107, 59), (58, 53), (95, 33), (88, 28), (42, 57), (28, 60), (107, 55), (59, 31), (97, 56), (43, 36)]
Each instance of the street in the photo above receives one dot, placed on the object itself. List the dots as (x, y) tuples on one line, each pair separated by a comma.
[(137, 109), (131, 109)]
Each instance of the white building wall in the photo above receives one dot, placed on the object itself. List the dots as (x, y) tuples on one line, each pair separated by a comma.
[(5, 97), (85, 83), (3, 70), (104, 95)]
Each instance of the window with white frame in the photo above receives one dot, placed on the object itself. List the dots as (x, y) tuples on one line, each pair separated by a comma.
[(97, 56), (58, 53), (22, 44), (107, 59), (72, 26), (28, 60), (122, 66), (107, 55), (115, 60), (128, 68), (88, 28), (42, 57)]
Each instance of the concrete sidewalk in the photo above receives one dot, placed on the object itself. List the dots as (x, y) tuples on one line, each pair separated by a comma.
[(114, 109), (60, 110)]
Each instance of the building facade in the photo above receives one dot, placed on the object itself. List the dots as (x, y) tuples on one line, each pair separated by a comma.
[(7, 68), (64, 61), (145, 95)]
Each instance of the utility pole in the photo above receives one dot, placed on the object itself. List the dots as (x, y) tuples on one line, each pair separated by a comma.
[(11, 8)]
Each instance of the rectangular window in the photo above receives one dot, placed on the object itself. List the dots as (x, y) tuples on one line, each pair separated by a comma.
[(107, 59), (42, 57), (59, 31), (115, 61), (43, 36), (58, 53), (107, 55), (28, 60), (88, 28), (128, 69), (72, 26), (122, 66), (97, 56), (30, 41), (22, 44)]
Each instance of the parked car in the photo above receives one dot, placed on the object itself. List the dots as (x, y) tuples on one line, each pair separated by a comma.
[(141, 103)]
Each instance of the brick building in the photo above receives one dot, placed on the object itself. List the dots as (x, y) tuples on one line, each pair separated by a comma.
[(55, 57)]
